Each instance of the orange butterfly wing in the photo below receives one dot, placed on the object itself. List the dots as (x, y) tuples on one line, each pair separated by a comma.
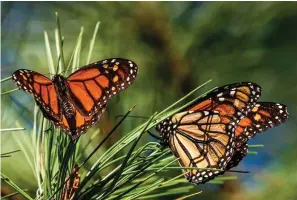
[(46, 98), (93, 85), (82, 122), (263, 116), (201, 139), (233, 101), (42, 89)]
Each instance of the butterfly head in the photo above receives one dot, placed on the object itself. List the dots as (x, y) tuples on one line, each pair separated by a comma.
[(60, 83), (165, 128)]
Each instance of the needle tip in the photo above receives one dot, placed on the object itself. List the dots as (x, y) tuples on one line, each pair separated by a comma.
[(132, 107)]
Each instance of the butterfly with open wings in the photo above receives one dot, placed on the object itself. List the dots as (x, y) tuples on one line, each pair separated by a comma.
[(77, 102), (213, 131)]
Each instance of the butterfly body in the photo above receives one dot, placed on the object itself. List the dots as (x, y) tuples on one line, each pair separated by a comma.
[(62, 90), (77, 102), (65, 101)]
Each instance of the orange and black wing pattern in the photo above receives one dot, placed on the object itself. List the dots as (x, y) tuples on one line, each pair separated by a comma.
[(83, 123), (263, 115), (93, 85), (200, 139), (42, 89), (233, 101)]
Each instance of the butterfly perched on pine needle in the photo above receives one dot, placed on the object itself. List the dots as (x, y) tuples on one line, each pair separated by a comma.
[(77, 102), (203, 134)]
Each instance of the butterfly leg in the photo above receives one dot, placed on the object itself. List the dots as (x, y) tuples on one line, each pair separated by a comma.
[(49, 129)]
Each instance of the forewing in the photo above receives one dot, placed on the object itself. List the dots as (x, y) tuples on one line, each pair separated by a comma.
[(232, 101), (42, 89), (93, 85)]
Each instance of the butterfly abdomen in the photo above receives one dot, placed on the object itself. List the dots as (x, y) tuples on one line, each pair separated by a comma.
[(63, 94), (67, 109)]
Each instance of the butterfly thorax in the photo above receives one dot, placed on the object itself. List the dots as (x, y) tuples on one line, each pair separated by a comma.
[(63, 96), (60, 85)]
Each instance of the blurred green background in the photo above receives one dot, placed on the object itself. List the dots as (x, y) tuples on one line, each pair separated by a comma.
[(177, 46)]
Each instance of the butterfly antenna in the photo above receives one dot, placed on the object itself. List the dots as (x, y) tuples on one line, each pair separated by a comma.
[(94, 151), (132, 116), (50, 128), (154, 136), (239, 171)]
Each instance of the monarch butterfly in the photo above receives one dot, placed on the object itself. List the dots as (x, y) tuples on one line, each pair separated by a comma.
[(71, 184), (77, 102), (203, 134)]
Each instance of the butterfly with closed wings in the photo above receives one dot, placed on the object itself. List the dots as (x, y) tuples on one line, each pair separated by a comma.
[(77, 102), (213, 131), (203, 134)]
